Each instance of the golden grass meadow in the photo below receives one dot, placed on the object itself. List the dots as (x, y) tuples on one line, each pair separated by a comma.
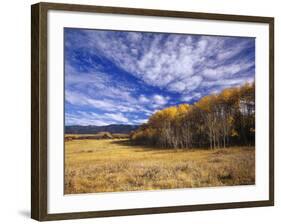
[(113, 165)]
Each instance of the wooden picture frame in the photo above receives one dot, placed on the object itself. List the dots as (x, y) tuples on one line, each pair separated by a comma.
[(39, 110)]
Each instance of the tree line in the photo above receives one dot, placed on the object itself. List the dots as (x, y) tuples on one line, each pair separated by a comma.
[(215, 121)]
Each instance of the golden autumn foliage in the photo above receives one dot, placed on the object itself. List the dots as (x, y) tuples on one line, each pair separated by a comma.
[(215, 121)]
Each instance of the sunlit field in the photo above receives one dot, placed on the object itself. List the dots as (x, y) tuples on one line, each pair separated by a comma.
[(110, 165)]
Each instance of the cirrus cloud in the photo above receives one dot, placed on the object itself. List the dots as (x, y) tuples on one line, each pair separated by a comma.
[(128, 75)]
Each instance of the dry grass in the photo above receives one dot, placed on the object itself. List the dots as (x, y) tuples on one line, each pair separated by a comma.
[(116, 165)]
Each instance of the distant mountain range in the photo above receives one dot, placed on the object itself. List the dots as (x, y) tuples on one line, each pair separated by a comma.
[(92, 129)]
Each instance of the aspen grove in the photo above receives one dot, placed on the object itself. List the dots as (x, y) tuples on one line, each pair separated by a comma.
[(215, 121)]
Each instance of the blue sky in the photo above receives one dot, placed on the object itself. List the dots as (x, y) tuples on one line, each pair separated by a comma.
[(114, 77)]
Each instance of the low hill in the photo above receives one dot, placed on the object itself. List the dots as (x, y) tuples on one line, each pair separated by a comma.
[(92, 129)]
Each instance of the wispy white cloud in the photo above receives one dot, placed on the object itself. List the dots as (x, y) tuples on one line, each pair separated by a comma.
[(143, 99), (159, 100), (91, 118), (81, 99), (84, 119), (226, 71), (221, 84), (193, 96), (186, 85), (117, 117), (169, 62), (140, 121)]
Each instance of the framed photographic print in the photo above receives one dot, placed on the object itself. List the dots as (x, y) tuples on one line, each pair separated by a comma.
[(139, 111)]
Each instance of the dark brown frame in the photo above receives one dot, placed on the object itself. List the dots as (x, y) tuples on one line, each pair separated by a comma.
[(39, 110)]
